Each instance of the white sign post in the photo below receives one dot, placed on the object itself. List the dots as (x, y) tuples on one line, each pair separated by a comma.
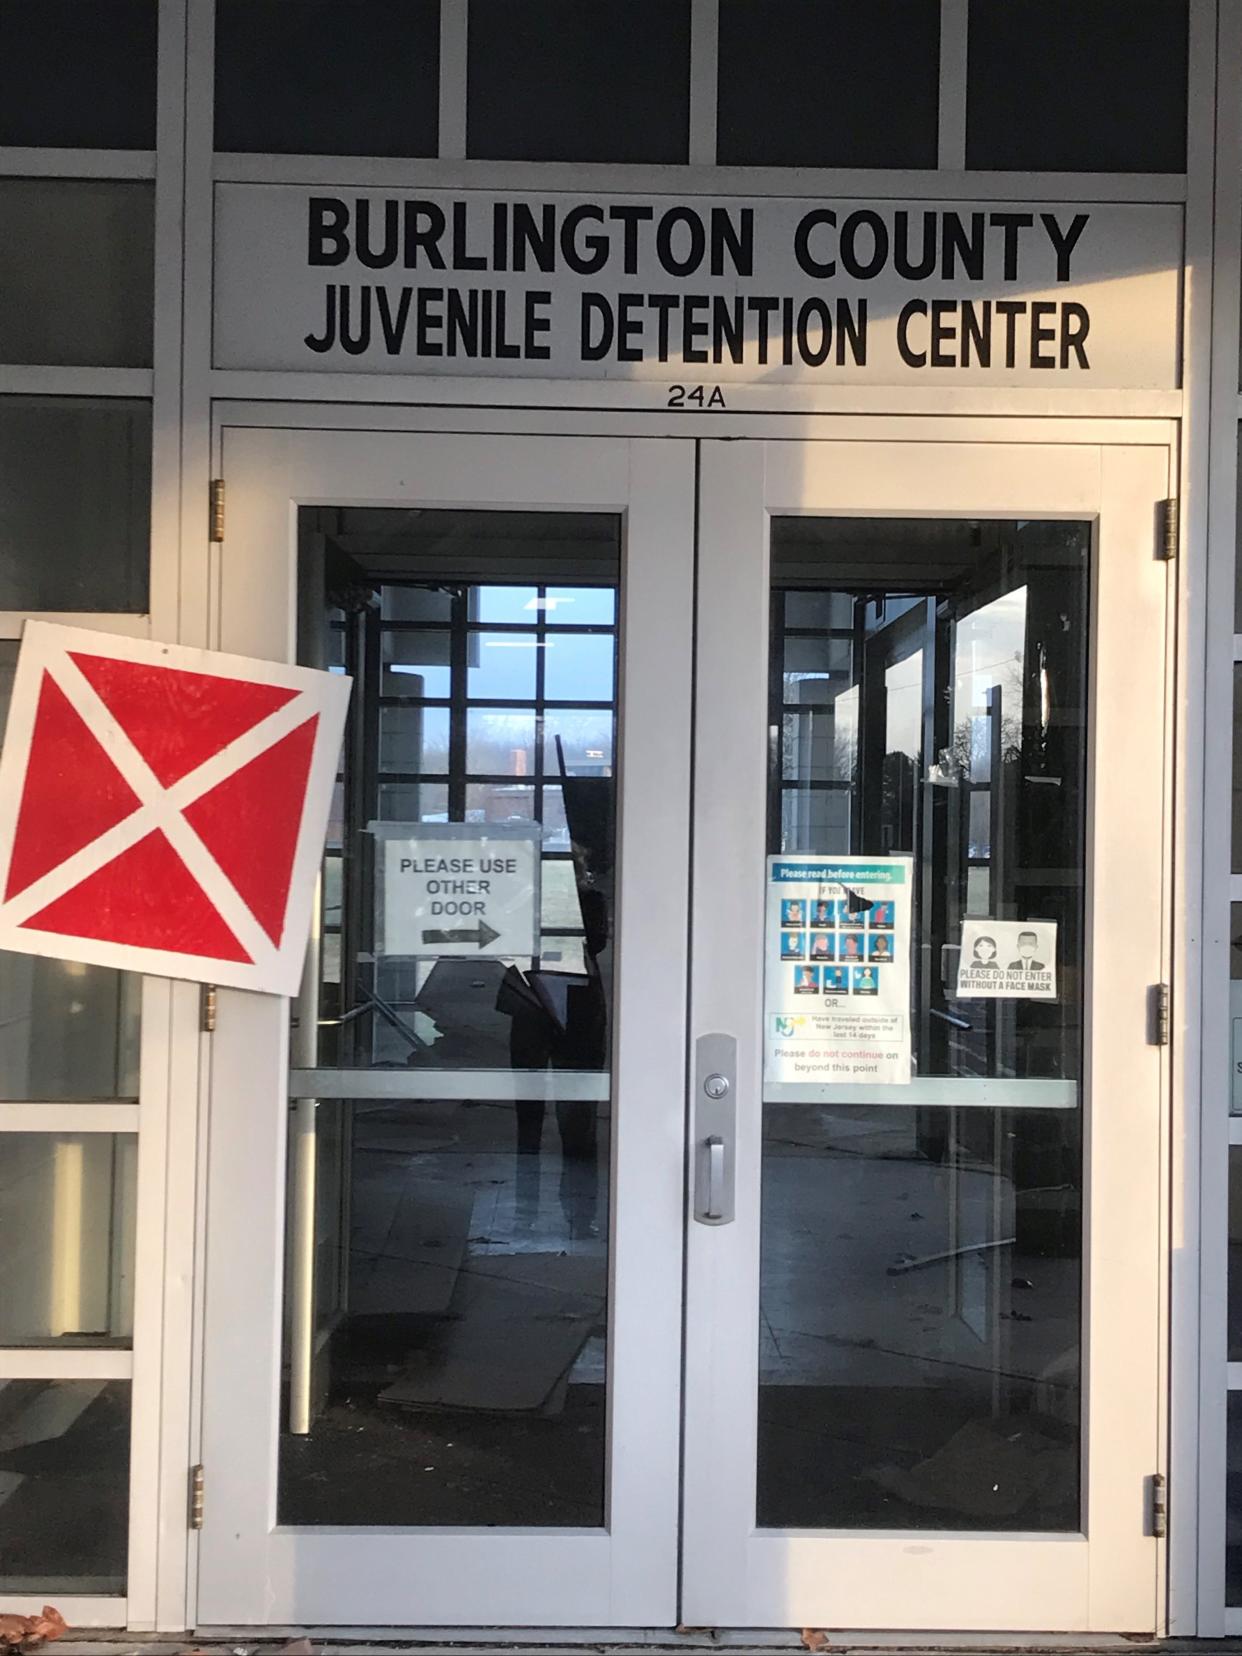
[(458, 888), (837, 977)]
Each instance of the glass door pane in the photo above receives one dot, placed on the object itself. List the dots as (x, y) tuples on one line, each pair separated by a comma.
[(920, 1301), (923, 1213), (442, 1363), (446, 1324)]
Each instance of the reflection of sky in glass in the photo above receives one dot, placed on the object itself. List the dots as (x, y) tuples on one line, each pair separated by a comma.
[(903, 684), (845, 732), (978, 748), (504, 603), (581, 606), (500, 741), (988, 650), (586, 739), (502, 666), (578, 667), (558, 606), (555, 827)]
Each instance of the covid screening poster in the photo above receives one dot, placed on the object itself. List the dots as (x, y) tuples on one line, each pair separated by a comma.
[(837, 970)]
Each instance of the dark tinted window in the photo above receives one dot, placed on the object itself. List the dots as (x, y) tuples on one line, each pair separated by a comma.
[(579, 80), (77, 266), (78, 74), (75, 503), (328, 77), (1096, 86), (828, 83)]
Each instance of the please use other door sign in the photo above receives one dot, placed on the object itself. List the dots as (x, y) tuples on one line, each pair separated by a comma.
[(458, 888)]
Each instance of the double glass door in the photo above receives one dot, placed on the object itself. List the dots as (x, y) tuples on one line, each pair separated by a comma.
[(612, 1235)]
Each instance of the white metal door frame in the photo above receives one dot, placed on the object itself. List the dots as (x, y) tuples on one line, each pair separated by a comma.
[(1110, 1579), (250, 1569), (1097, 436)]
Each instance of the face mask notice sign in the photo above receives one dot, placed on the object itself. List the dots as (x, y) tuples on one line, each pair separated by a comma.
[(1008, 960), (837, 970)]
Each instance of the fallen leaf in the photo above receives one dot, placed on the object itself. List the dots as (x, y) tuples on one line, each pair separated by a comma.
[(51, 1624), (26, 1632), (814, 1638)]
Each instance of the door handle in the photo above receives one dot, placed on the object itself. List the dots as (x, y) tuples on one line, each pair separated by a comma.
[(714, 1128), (713, 1206)]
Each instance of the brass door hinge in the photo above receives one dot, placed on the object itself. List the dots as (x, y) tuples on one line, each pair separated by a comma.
[(207, 1009), (215, 508), (196, 1498), (1160, 1013), (1166, 551), (1159, 1505)]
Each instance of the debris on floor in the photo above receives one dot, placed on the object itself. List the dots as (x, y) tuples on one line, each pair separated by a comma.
[(988, 1470), (29, 1632)]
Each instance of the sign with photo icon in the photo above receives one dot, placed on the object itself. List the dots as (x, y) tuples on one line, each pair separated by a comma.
[(837, 979)]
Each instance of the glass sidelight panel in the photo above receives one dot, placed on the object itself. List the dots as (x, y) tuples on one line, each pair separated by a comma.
[(67, 1215), (921, 1292), (64, 1486), (68, 1032), (446, 1317)]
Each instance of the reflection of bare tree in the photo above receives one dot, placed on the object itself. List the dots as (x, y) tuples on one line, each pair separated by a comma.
[(972, 734), (845, 755), (844, 716), (972, 729), (501, 743)]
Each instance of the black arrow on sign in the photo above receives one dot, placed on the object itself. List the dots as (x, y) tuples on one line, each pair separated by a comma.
[(482, 934)]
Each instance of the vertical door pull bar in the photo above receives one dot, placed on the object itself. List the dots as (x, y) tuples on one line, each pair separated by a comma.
[(713, 1208), (714, 1123)]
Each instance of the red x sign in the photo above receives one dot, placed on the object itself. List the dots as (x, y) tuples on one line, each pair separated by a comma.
[(163, 809)]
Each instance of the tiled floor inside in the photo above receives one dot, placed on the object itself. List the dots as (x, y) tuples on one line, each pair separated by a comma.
[(917, 1341)]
